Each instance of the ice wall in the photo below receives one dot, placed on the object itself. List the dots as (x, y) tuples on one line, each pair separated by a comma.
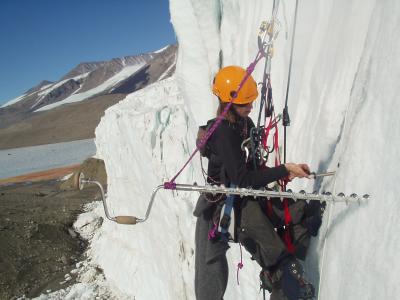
[(196, 25), (143, 140), (362, 242), (343, 110)]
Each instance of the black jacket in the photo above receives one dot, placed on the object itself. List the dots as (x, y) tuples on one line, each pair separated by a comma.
[(227, 162)]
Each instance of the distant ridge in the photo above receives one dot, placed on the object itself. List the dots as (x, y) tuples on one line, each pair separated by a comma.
[(37, 116)]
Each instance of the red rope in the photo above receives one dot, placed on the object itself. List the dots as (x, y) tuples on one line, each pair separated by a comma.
[(287, 238)]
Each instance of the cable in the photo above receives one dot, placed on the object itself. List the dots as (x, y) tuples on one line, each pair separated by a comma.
[(286, 118)]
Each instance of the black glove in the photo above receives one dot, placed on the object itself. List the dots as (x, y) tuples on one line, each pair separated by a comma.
[(313, 216), (313, 224)]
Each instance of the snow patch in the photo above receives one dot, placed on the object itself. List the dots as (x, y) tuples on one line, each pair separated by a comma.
[(161, 50), (163, 75), (76, 97), (52, 87), (66, 177), (15, 100)]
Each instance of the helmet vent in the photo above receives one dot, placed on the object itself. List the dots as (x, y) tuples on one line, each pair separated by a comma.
[(233, 94)]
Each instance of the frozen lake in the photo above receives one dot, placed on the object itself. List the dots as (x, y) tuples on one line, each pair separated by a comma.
[(19, 161)]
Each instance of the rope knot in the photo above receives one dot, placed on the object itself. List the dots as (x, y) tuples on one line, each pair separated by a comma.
[(169, 185)]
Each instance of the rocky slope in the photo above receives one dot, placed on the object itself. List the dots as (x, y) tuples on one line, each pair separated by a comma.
[(40, 248), (37, 117)]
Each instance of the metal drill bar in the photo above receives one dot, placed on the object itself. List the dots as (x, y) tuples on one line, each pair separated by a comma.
[(242, 192), (153, 195), (103, 197), (315, 175), (327, 197)]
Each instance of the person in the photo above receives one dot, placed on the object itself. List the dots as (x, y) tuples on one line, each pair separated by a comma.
[(281, 271)]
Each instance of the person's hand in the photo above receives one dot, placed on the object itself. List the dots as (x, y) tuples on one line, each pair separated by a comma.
[(297, 170)]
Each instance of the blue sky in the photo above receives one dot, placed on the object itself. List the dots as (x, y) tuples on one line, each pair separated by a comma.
[(44, 39)]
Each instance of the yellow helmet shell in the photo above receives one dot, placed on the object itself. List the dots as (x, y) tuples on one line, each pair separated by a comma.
[(227, 81)]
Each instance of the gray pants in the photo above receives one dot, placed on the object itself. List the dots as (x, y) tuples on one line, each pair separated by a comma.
[(211, 266), (257, 235)]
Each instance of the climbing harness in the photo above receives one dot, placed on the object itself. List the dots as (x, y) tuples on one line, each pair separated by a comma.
[(226, 217)]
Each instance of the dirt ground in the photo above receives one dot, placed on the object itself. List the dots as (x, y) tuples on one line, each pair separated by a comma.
[(37, 243)]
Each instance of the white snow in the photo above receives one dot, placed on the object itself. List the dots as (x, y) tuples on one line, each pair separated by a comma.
[(161, 50), (344, 110), (43, 91), (15, 100), (49, 88), (163, 75), (196, 26), (76, 97), (66, 177), (152, 150), (46, 86)]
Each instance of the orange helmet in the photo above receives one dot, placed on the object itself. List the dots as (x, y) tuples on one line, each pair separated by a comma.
[(227, 81)]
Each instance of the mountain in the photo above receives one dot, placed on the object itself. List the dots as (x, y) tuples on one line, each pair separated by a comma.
[(71, 108)]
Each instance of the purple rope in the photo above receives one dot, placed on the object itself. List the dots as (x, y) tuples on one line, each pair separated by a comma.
[(211, 233), (171, 185), (240, 264)]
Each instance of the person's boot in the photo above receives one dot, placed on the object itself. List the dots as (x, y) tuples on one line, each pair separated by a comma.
[(291, 280), (277, 294)]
